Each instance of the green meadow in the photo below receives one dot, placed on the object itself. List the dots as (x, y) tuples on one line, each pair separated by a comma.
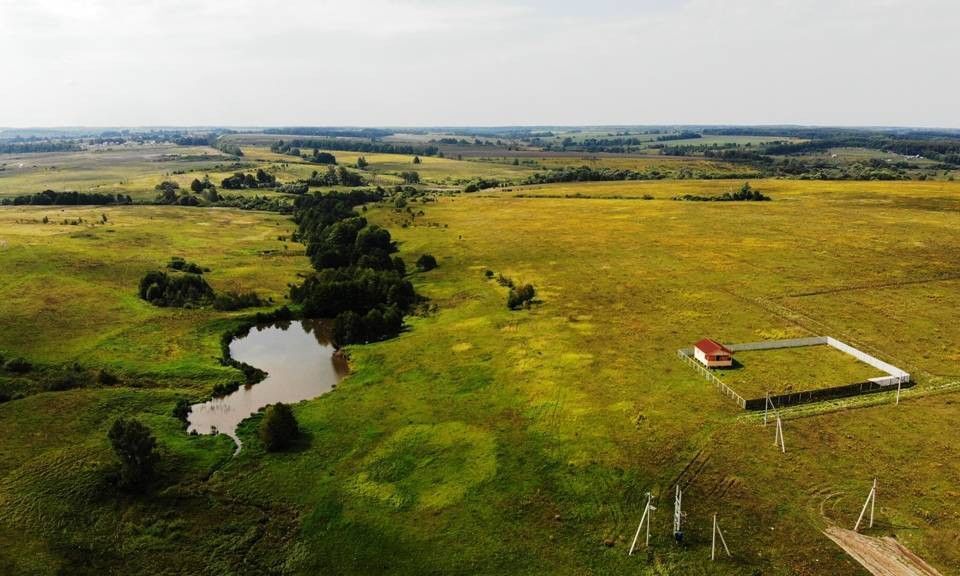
[(484, 440)]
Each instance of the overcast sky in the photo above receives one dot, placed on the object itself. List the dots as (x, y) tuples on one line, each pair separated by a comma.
[(479, 62)]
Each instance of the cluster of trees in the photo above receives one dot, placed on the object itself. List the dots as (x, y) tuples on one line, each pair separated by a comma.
[(178, 290), (46, 146), (410, 177), (481, 184), (200, 186), (169, 192), (685, 135), (588, 174), (274, 204), (746, 193), (357, 281), (371, 133), (369, 147), (338, 176), (50, 198), (228, 148), (294, 188), (240, 180), (319, 157)]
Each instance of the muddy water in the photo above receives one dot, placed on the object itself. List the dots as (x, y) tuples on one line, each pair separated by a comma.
[(299, 362)]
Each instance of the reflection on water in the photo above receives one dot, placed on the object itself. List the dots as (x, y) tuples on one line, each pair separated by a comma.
[(299, 362)]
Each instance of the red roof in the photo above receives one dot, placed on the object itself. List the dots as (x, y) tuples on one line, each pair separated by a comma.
[(709, 346)]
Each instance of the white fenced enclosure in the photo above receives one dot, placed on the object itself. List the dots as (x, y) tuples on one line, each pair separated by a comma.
[(895, 377)]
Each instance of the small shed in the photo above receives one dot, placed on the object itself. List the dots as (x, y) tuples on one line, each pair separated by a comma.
[(712, 354)]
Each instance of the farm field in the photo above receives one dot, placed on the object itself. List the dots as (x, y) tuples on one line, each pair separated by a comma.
[(484, 440), (132, 169)]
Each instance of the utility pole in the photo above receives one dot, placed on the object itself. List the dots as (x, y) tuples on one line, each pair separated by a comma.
[(677, 515), (713, 546), (872, 501), (647, 517), (778, 438)]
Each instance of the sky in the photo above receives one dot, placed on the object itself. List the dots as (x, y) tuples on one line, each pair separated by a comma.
[(478, 62)]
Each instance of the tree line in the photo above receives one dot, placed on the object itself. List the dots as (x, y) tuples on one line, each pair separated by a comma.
[(358, 281), (69, 198), (282, 147)]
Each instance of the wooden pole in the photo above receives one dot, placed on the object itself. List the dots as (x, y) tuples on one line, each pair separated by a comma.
[(873, 500)]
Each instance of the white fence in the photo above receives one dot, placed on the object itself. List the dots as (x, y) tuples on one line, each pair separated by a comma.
[(686, 356), (895, 376)]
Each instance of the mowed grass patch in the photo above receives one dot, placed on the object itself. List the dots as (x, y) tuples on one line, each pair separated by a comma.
[(779, 371)]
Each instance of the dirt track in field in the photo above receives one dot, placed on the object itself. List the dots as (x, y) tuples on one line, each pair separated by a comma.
[(880, 556)]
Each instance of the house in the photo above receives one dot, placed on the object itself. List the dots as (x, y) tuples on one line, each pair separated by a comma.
[(712, 354)]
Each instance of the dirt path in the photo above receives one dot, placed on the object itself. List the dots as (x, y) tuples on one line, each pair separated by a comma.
[(881, 556)]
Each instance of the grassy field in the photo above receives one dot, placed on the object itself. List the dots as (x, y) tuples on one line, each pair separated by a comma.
[(73, 293), (490, 441), (758, 372), (130, 169)]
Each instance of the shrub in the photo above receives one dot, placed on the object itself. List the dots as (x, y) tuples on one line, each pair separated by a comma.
[(106, 378), (234, 301), (181, 290), (136, 447), (17, 365), (426, 262), (182, 410), (181, 265), (279, 429), (520, 297)]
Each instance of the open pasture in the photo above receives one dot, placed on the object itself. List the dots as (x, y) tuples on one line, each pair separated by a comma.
[(132, 169), (485, 440), (74, 294)]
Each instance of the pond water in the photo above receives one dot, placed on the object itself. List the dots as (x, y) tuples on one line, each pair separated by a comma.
[(300, 364)]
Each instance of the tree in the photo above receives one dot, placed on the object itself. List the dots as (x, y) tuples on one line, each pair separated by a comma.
[(136, 447), (362, 163), (279, 429), (426, 262), (410, 177), (196, 185), (416, 160)]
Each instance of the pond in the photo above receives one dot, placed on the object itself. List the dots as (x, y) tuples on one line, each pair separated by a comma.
[(300, 364)]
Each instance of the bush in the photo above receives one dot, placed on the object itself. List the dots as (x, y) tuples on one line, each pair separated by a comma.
[(279, 429), (17, 365), (70, 378), (106, 378), (520, 297), (234, 301), (136, 447), (182, 410), (179, 264), (181, 290), (426, 262)]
